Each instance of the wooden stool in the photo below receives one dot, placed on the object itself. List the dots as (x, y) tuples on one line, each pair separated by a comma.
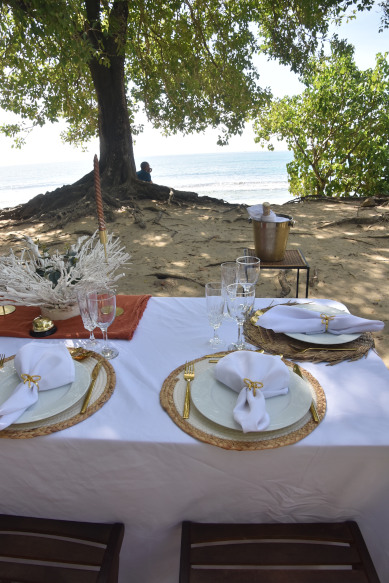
[(40, 550), (275, 553)]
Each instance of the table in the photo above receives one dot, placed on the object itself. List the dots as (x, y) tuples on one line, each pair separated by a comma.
[(293, 259), (129, 462)]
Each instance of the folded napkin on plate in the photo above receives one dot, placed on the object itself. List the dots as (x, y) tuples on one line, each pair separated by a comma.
[(294, 320), (255, 377), (39, 367)]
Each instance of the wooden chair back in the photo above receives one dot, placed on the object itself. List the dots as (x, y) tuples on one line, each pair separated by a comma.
[(39, 550), (275, 553)]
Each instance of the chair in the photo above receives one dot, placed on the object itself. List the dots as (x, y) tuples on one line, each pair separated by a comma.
[(40, 550), (275, 553)]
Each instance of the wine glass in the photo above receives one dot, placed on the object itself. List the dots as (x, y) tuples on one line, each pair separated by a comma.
[(248, 269), (86, 320), (240, 300), (102, 309), (215, 307), (229, 271)]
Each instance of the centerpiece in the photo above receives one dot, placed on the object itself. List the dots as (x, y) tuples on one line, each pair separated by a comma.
[(37, 277)]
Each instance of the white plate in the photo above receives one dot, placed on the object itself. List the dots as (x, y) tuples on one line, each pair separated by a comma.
[(325, 337), (49, 402), (216, 401)]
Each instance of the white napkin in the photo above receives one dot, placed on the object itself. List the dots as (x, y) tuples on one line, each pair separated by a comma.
[(263, 369), (292, 319), (52, 363), (256, 212)]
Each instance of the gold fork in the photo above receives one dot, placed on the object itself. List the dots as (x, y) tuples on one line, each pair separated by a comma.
[(189, 375), (2, 359)]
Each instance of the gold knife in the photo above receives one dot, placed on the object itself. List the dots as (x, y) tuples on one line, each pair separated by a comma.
[(314, 413), (95, 374)]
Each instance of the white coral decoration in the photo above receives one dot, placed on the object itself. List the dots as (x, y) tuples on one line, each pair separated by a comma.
[(20, 284)]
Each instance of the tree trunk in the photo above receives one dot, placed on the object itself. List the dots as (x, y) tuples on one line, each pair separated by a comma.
[(117, 164)]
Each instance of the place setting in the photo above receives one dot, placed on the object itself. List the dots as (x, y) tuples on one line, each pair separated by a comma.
[(240, 398), (47, 387), (311, 331), (244, 400)]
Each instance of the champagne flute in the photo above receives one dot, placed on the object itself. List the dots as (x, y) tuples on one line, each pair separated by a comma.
[(86, 319), (215, 308), (102, 308), (229, 272), (240, 300), (248, 269)]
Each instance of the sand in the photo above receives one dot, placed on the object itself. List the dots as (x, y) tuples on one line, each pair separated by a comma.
[(176, 248)]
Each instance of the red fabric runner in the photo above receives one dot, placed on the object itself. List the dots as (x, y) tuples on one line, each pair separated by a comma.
[(19, 323)]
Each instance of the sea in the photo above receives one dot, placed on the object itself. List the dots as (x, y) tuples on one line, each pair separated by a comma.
[(241, 177)]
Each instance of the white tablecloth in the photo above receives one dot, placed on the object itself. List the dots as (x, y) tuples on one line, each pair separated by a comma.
[(129, 462)]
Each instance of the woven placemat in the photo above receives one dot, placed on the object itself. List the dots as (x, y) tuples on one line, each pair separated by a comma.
[(278, 343), (172, 398), (102, 391)]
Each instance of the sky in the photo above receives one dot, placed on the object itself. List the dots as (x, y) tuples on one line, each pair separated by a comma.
[(44, 144)]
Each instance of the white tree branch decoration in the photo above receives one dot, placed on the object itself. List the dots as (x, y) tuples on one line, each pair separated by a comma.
[(25, 280)]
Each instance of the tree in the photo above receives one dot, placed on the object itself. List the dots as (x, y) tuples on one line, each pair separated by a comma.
[(338, 128), (188, 61)]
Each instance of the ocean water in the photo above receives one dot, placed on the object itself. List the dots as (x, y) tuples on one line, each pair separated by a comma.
[(242, 177)]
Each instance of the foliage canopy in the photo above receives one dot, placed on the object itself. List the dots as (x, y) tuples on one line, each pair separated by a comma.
[(190, 62), (338, 128)]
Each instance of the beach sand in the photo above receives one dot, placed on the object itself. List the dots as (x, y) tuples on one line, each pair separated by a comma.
[(176, 248)]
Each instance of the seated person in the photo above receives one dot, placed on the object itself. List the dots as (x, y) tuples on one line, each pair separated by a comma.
[(144, 172)]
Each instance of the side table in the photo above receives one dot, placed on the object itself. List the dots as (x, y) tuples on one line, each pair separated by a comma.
[(293, 259)]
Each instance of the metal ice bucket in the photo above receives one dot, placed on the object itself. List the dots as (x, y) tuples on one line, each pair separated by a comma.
[(270, 239)]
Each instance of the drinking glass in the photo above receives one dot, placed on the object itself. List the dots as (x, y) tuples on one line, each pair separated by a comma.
[(215, 308), (240, 300), (248, 269), (102, 309), (86, 320), (229, 272)]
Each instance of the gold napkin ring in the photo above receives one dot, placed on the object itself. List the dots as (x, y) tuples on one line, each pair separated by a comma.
[(26, 378), (253, 385), (325, 319)]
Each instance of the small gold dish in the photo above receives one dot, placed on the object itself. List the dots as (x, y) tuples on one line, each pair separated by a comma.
[(42, 327)]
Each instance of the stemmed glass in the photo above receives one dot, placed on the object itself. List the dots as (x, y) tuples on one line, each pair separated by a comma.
[(248, 269), (215, 307), (102, 309), (240, 300), (86, 319), (229, 273)]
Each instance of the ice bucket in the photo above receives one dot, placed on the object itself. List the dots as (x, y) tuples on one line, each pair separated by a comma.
[(270, 238)]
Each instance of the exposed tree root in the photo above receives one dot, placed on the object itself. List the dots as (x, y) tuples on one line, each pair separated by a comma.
[(358, 221), (285, 286), (161, 275), (77, 200)]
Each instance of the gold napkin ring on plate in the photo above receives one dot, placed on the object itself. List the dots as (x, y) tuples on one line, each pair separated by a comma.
[(254, 385), (325, 319), (34, 379)]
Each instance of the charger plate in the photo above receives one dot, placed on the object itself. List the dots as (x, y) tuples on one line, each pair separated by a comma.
[(172, 398), (278, 343), (102, 391)]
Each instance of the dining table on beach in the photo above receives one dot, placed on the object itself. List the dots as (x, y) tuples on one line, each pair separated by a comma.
[(133, 461)]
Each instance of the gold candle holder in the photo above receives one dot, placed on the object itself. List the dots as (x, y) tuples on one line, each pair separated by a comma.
[(5, 310)]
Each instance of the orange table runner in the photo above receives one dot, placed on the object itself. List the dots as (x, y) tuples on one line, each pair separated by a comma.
[(19, 323)]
